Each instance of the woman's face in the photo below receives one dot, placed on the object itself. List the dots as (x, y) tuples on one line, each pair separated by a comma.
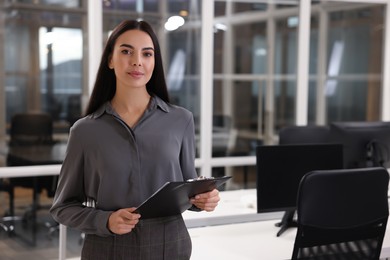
[(133, 59)]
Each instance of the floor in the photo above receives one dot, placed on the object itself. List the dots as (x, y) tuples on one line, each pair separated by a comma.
[(20, 244), (19, 247)]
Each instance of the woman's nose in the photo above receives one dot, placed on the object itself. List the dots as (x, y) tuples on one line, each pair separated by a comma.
[(136, 61)]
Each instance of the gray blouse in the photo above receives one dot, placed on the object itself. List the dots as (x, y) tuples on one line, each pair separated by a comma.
[(116, 166)]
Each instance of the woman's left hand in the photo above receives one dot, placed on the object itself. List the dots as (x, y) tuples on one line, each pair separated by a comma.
[(206, 201)]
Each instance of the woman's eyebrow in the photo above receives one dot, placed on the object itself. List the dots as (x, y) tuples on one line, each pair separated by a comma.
[(131, 47)]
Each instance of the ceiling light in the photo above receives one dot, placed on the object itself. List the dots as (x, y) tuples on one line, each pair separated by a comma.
[(174, 22)]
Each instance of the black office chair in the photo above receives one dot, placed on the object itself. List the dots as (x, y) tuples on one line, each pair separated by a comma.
[(29, 129), (304, 134), (309, 134), (342, 214)]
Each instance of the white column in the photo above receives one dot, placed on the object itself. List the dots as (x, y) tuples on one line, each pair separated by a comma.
[(2, 80), (321, 68), (95, 39), (227, 66), (385, 115), (303, 63), (269, 95), (206, 85)]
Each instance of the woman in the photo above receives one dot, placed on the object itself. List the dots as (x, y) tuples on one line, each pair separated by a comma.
[(130, 143)]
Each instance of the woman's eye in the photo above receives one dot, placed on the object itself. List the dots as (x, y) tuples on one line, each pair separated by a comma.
[(126, 52), (148, 54)]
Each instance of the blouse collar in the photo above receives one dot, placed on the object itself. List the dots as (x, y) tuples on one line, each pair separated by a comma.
[(155, 102)]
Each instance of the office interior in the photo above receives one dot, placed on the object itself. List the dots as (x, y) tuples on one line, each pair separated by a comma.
[(245, 68)]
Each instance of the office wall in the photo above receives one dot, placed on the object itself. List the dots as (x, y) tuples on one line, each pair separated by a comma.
[(254, 56)]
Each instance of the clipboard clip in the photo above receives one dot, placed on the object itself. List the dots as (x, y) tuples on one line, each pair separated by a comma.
[(200, 178)]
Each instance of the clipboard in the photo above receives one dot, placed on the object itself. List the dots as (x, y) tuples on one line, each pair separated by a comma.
[(173, 198)]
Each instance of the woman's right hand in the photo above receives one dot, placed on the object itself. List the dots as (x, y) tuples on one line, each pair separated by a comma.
[(123, 221)]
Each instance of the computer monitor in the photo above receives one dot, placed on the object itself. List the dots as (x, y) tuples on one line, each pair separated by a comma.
[(279, 172), (365, 144)]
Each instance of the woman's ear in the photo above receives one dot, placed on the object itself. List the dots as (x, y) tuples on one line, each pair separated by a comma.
[(110, 62)]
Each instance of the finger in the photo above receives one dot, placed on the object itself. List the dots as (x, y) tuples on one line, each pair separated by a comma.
[(207, 206), (128, 214), (133, 216), (206, 197), (118, 224), (123, 229), (210, 206), (209, 194)]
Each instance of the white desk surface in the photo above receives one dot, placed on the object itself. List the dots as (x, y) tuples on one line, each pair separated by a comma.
[(251, 240), (251, 236)]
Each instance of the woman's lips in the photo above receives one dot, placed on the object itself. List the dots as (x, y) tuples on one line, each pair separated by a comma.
[(135, 73)]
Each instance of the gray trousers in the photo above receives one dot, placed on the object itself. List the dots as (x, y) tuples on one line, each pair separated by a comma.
[(152, 239)]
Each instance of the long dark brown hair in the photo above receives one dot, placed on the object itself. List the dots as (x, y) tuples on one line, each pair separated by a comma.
[(105, 84)]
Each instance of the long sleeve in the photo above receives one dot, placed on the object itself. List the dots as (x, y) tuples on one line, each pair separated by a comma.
[(187, 153), (69, 202)]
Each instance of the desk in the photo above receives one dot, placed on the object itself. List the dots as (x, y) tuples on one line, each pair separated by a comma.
[(36, 154), (250, 240), (214, 238), (28, 155), (244, 241), (235, 206)]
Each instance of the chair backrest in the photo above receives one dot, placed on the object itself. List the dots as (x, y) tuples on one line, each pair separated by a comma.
[(28, 129), (342, 214), (31, 128), (304, 134)]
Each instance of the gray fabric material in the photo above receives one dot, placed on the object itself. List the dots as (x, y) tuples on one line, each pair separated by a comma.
[(119, 167), (152, 239)]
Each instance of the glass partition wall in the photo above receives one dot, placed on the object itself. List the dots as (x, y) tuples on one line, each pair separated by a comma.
[(42, 60), (254, 59), (254, 54), (255, 70)]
